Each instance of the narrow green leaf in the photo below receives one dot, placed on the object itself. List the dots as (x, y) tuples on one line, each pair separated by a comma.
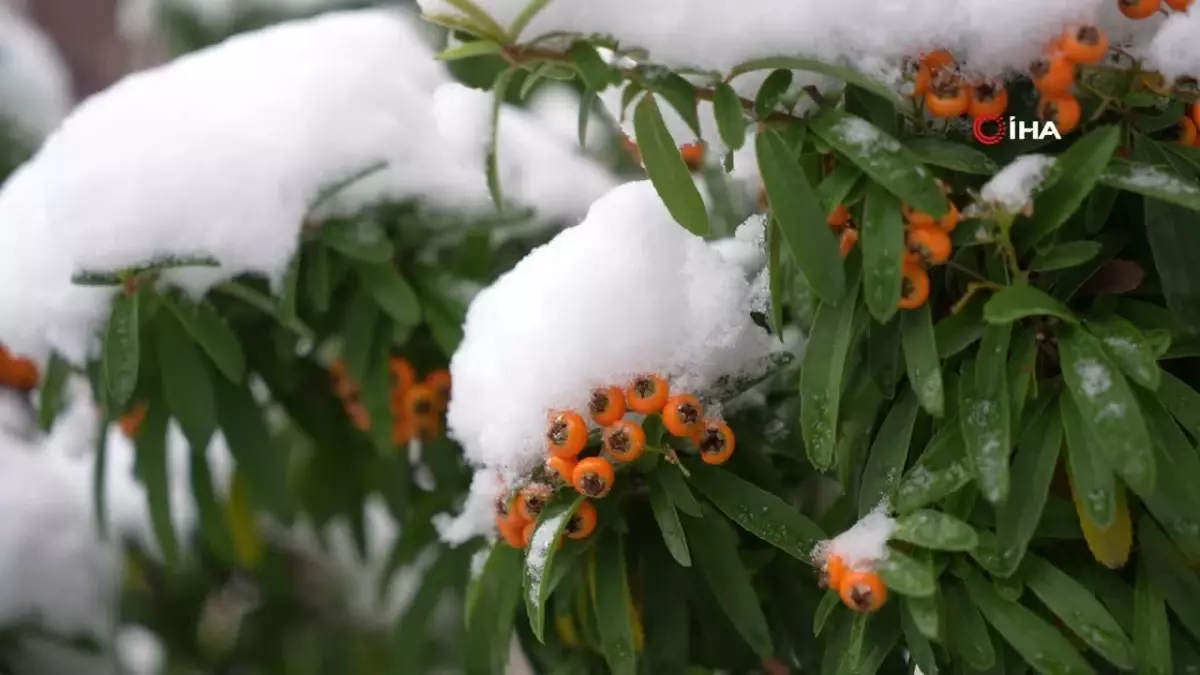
[(1079, 610), (1174, 243), (392, 293), (907, 576), (596, 74), (50, 397), (679, 94), (1171, 575), (882, 158), (539, 559), (1021, 371), (1157, 182), (1021, 302), (121, 354), (956, 332), (936, 530), (757, 511), (714, 550), (889, 454), (1151, 628), (829, 602), (666, 169), (528, 12), (731, 120), (1172, 497), (668, 524), (883, 356), (1032, 469), (1064, 256), (942, 470), (360, 239), (849, 75), (1181, 400), (986, 428), (771, 92), (211, 332), (968, 634), (775, 276), (210, 514), (480, 18), (612, 605), (925, 615), (801, 218), (186, 381), (921, 359), (499, 91), (821, 379), (469, 50), (1128, 347), (1079, 168), (258, 459), (882, 249), (319, 278), (1090, 473), (151, 469), (671, 479), (991, 364), (952, 155), (919, 648), (665, 611)]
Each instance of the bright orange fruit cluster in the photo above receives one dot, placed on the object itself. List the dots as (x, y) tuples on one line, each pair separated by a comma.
[(17, 373), (517, 517), (861, 590), (417, 406), (928, 241)]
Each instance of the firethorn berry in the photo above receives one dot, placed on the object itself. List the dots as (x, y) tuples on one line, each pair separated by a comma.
[(131, 422), (421, 400), (839, 216), (683, 415), (565, 468), (931, 243), (593, 477), (1053, 73), (847, 241), (988, 99), (567, 434), (914, 287), (439, 382), (358, 415), (937, 60), (582, 522), (647, 394), (921, 81), (624, 440), (1179, 5), (835, 570), (863, 591), (1086, 44), (1195, 114), (19, 374), (1139, 9), (510, 532), (950, 220), (947, 97), (1186, 131), (527, 534), (916, 218), (716, 442), (693, 154), (532, 500), (607, 405), (403, 375), (404, 427), (1062, 109)]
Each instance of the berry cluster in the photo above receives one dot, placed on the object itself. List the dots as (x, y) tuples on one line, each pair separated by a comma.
[(928, 242), (417, 407), (861, 589)]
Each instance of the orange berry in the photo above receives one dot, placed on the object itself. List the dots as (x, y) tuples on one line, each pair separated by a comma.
[(716, 442), (593, 477), (835, 570), (510, 532), (439, 382), (936, 60), (404, 427), (863, 591), (931, 243), (1139, 9), (527, 534), (532, 500), (838, 217), (848, 241), (647, 394), (420, 400), (1186, 131), (131, 422), (19, 374), (914, 287), (562, 466), (988, 100), (403, 375), (1179, 5), (916, 218), (1062, 109), (1195, 114), (624, 440), (582, 522), (950, 220), (693, 154), (1052, 74), (567, 434), (922, 80), (948, 98), (427, 427), (683, 415), (632, 148), (607, 405), (1084, 44)]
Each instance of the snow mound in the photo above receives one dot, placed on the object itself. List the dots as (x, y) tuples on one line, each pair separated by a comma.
[(35, 91), (864, 545)]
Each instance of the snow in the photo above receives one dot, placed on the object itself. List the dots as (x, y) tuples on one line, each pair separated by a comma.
[(1175, 51), (35, 92), (627, 291), (134, 174), (1012, 189), (1094, 377), (864, 545)]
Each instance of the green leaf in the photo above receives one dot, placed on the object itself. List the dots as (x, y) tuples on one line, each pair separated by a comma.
[(666, 169), (264, 304), (1128, 347), (1079, 610), (671, 479), (1039, 643), (968, 634), (1151, 628), (801, 218), (499, 91), (845, 74), (936, 530), (1170, 575), (121, 353), (151, 469), (942, 470), (1065, 255), (257, 457), (678, 92), (596, 74), (1079, 168), (318, 281), (771, 92), (757, 511), (991, 364), (392, 293), (882, 158), (1090, 473), (921, 359), (986, 428), (889, 454), (1032, 469), (480, 18), (1021, 302), (527, 14), (1181, 400), (1174, 242), (469, 50), (714, 550), (1172, 497), (956, 332), (611, 599), (882, 250), (821, 378), (1021, 371), (883, 355), (952, 155), (1156, 182), (906, 576), (731, 121), (58, 371), (360, 239), (925, 614), (539, 559), (837, 187), (775, 276), (1108, 408), (668, 524), (187, 384), (215, 337), (919, 648)]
